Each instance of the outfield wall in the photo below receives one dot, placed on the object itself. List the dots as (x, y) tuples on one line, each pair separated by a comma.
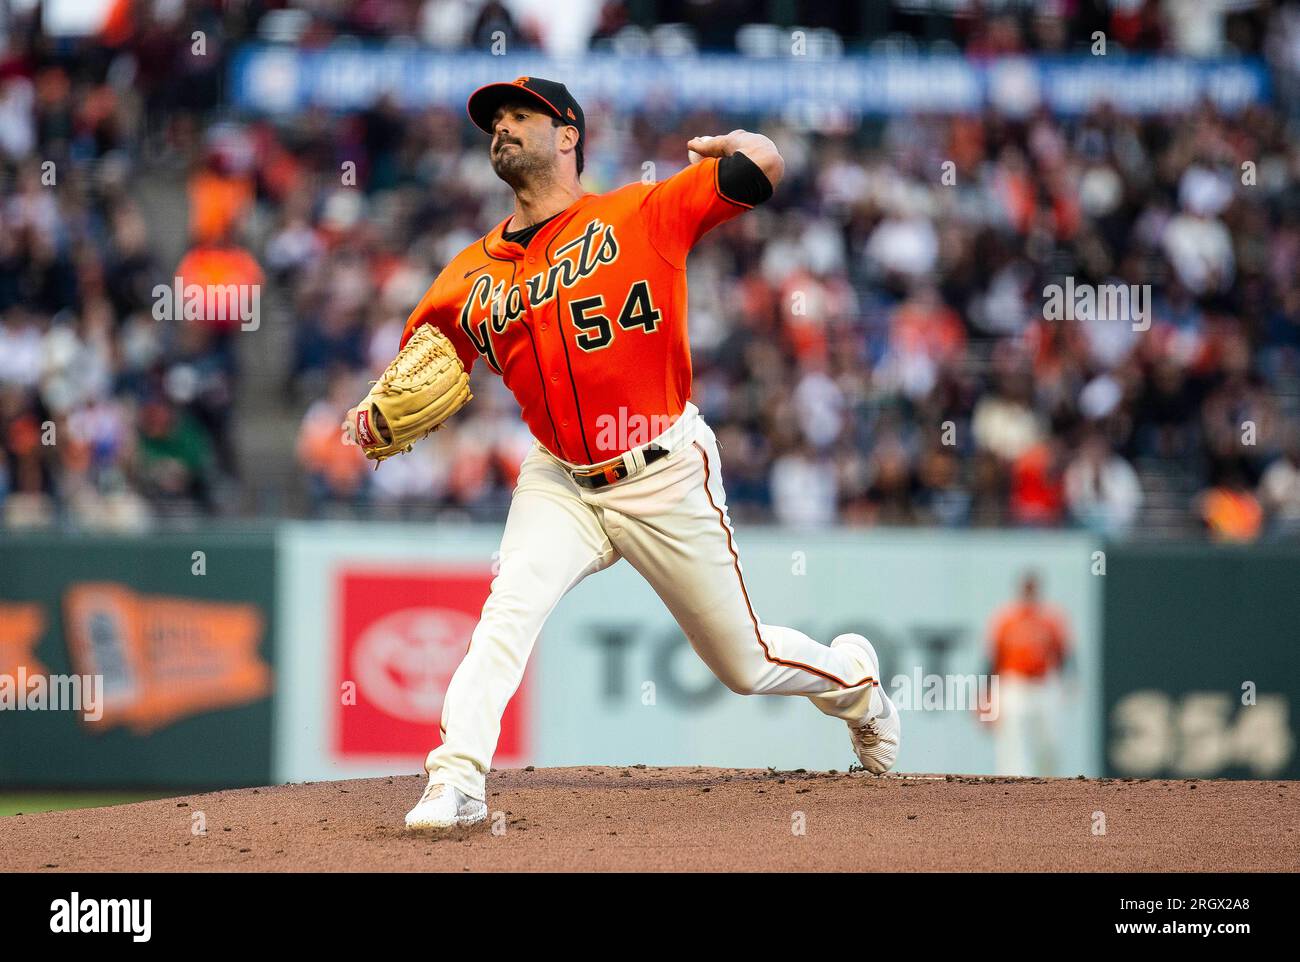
[(1202, 661), (179, 628), (319, 651), (613, 680)]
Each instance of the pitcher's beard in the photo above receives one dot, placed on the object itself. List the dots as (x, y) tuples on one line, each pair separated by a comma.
[(520, 169)]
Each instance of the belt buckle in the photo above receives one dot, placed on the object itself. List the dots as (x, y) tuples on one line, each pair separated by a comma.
[(611, 473)]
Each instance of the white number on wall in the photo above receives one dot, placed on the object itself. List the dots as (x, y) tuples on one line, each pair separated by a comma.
[(1198, 735)]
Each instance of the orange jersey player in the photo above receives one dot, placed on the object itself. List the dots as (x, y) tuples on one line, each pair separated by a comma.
[(1028, 639), (1029, 647), (578, 302)]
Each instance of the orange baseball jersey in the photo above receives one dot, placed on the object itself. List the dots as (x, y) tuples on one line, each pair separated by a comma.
[(587, 323), (1027, 640)]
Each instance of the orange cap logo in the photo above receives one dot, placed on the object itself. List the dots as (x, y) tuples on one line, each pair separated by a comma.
[(521, 80)]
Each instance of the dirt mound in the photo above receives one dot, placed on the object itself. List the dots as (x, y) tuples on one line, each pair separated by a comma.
[(652, 819)]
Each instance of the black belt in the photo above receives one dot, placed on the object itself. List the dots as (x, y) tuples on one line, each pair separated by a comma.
[(613, 471)]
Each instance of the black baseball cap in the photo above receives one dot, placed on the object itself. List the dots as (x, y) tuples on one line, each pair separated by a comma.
[(550, 95)]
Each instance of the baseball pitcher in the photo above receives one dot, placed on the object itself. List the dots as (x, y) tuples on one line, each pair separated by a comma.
[(578, 302)]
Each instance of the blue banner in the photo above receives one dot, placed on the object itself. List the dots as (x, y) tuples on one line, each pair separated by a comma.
[(274, 80)]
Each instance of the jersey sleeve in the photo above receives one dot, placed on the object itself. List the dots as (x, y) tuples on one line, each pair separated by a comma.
[(436, 309), (685, 207)]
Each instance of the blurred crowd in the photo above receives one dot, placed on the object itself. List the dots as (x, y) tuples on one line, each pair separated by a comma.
[(870, 346)]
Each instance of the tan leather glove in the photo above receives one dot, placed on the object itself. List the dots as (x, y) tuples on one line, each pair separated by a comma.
[(424, 386)]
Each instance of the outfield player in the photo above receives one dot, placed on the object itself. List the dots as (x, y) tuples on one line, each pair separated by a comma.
[(1029, 648)]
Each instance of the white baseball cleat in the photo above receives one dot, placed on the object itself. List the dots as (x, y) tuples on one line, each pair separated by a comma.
[(445, 806), (876, 738)]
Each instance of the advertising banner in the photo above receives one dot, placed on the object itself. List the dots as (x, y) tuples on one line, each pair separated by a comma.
[(375, 618), (352, 76), (402, 635), (136, 661)]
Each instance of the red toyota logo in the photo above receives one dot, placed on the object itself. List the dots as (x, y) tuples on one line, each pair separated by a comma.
[(404, 661)]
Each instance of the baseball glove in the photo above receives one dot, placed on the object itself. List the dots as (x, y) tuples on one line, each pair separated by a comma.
[(423, 386)]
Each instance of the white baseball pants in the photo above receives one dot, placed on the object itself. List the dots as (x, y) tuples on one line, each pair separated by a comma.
[(670, 522), (1027, 736)]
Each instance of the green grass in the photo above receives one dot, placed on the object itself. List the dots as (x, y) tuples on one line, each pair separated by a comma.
[(30, 803)]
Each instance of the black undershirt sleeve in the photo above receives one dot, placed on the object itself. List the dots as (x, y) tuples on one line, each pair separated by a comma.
[(742, 180)]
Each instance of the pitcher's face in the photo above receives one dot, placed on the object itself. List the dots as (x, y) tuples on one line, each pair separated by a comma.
[(525, 145)]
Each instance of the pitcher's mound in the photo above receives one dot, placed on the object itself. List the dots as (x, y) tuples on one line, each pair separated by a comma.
[(686, 819)]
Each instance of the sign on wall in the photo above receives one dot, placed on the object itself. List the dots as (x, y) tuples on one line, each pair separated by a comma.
[(402, 634), (1200, 661), (136, 661), (351, 76), (375, 620), (382, 614)]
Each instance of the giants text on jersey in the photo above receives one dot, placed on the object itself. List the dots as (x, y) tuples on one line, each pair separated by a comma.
[(588, 321)]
